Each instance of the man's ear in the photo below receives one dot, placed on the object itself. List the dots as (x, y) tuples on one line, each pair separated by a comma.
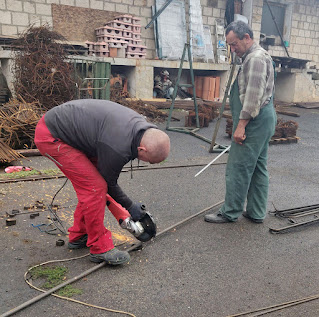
[(247, 36), (141, 148)]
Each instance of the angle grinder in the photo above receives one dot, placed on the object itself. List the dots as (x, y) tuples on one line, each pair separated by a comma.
[(144, 229)]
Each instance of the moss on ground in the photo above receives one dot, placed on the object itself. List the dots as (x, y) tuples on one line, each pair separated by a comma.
[(53, 276)]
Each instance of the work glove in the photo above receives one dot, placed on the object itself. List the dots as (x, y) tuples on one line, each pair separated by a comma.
[(137, 211)]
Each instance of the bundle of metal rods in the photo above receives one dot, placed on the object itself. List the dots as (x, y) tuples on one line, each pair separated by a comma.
[(297, 212), (293, 213)]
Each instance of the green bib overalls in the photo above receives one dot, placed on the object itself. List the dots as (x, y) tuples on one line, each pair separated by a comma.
[(246, 171)]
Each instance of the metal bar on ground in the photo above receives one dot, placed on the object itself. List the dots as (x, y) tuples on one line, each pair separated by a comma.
[(210, 163), (296, 225), (98, 266), (295, 210)]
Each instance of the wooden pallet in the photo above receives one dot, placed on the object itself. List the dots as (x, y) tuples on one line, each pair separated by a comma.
[(288, 140)]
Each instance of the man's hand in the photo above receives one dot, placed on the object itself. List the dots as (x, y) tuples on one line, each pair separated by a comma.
[(240, 134), (137, 211)]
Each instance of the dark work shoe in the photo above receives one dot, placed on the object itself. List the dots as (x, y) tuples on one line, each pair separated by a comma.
[(79, 243), (112, 257), (245, 214), (216, 217)]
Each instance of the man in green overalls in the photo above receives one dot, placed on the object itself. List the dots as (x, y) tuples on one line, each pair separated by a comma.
[(254, 121)]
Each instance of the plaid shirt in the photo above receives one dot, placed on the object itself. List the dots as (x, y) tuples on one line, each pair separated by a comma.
[(255, 81)]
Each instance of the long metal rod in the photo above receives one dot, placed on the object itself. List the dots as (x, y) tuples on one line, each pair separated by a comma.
[(189, 218), (143, 168), (295, 210), (176, 87), (98, 266), (190, 60), (272, 308), (296, 225), (303, 214), (298, 214), (222, 108), (158, 13), (210, 163)]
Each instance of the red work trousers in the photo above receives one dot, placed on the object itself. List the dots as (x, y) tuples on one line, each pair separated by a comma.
[(89, 185)]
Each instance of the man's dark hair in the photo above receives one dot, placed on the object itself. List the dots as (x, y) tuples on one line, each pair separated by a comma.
[(240, 28)]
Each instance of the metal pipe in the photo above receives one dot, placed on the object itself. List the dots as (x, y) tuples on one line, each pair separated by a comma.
[(296, 210), (222, 107), (189, 218), (158, 13), (288, 228), (299, 214), (217, 157)]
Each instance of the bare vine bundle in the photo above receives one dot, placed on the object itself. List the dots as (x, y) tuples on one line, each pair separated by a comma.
[(42, 73), (17, 123)]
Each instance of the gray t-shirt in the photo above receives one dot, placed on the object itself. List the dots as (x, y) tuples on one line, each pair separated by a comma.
[(103, 130)]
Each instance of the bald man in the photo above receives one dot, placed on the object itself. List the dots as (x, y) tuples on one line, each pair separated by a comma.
[(90, 141)]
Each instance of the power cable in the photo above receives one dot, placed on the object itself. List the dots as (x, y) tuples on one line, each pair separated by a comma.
[(56, 221), (98, 266), (67, 298)]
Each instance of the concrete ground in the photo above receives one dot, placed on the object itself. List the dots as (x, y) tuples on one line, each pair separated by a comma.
[(197, 269)]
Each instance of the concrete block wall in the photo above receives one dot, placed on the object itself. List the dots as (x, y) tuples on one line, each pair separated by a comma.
[(17, 15), (304, 38)]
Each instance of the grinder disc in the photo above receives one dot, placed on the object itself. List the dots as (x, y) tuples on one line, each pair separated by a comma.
[(149, 226)]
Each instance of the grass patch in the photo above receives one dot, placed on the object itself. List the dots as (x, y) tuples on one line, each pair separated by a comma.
[(26, 174), (51, 172), (53, 276), (69, 291)]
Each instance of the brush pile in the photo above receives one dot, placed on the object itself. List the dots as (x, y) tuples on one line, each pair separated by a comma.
[(17, 123), (206, 114), (284, 129), (40, 70), (150, 112)]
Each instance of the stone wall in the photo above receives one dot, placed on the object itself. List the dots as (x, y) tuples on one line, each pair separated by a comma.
[(17, 15), (304, 38)]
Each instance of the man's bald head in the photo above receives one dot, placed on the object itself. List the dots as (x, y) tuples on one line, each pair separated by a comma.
[(154, 146)]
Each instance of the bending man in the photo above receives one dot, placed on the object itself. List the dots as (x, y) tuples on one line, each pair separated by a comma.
[(254, 121), (90, 141)]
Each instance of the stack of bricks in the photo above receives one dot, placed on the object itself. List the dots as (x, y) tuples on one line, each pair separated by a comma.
[(120, 37), (207, 87)]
